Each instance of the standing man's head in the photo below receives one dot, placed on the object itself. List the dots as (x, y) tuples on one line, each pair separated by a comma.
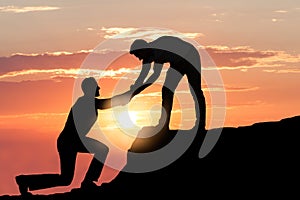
[(90, 87), (140, 48)]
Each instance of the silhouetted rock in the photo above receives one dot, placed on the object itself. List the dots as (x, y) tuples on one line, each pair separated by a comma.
[(247, 162)]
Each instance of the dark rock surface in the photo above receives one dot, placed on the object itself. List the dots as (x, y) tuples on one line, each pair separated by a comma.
[(258, 161)]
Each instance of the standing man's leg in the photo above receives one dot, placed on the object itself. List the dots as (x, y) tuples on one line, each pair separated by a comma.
[(194, 79), (172, 80)]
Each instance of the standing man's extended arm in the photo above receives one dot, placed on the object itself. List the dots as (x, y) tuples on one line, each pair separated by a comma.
[(144, 73), (156, 72)]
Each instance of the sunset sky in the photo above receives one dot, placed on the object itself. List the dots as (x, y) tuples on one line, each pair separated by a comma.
[(252, 48)]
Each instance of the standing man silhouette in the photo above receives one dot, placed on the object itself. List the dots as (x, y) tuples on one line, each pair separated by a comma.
[(73, 140), (184, 59)]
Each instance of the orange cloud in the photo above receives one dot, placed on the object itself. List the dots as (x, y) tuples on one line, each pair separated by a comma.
[(57, 74), (15, 9), (148, 33), (19, 62), (244, 58)]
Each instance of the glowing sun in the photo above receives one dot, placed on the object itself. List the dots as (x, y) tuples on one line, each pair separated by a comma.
[(127, 119)]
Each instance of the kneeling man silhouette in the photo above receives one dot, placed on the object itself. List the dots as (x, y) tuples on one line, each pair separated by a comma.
[(73, 140)]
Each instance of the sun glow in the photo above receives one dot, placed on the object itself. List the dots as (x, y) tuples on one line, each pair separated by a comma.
[(127, 119)]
